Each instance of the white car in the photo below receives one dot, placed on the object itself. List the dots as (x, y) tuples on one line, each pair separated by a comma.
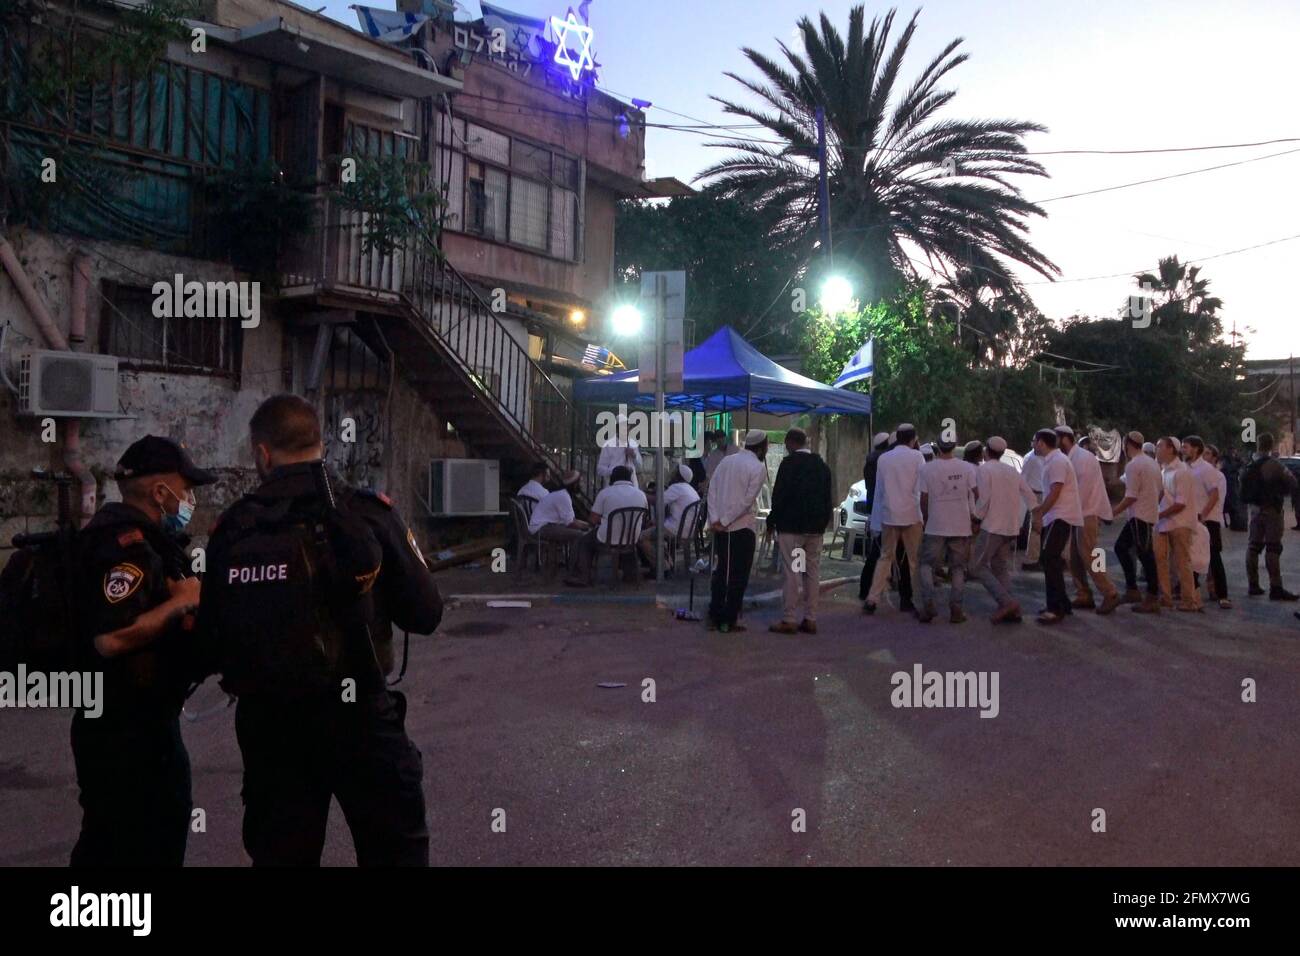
[(855, 509)]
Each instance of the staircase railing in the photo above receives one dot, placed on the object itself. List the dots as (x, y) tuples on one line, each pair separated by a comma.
[(486, 353)]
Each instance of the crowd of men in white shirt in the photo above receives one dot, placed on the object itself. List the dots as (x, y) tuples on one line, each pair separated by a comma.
[(936, 511)]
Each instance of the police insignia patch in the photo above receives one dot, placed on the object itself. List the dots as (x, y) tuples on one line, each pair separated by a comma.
[(120, 582), (410, 539)]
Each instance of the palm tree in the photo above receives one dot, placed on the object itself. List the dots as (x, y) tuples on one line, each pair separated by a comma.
[(898, 173), (1181, 302)]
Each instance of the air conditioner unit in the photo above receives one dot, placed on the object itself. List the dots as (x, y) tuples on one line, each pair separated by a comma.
[(464, 486), (72, 384)]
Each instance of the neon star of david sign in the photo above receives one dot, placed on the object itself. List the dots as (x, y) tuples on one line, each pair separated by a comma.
[(563, 55)]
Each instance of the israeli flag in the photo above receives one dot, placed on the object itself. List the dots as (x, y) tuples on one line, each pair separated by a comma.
[(521, 31), (391, 26), (860, 366)]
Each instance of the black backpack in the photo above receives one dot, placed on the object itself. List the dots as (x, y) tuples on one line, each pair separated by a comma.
[(1252, 490), (290, 601), (38, 620)]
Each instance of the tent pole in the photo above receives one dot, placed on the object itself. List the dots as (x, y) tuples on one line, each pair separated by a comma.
[(749, 398)]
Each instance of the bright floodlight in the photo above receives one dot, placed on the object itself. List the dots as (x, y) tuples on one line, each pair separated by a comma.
[(626, 320), (837, 295)]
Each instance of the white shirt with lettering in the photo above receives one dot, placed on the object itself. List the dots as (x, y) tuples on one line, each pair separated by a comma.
[(897, 495), (555, 508), (1093, 498), (1058, 470), (1004, 496), (948, 485), (1142, 483)]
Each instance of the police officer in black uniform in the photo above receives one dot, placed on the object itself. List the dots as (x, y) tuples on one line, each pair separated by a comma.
[(315, 718), (135, 592)]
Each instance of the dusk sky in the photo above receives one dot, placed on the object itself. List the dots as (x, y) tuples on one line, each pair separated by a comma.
[(1106, 75)]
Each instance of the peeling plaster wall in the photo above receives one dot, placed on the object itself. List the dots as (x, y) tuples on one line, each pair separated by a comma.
[(208, 414)]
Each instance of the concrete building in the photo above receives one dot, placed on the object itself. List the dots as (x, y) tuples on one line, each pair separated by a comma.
[(450, 344)]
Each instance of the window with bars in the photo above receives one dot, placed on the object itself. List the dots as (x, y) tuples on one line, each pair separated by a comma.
[(129, 329), (509, 189)]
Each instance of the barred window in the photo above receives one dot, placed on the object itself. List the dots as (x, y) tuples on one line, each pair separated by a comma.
[(129, 329), (528, 213)]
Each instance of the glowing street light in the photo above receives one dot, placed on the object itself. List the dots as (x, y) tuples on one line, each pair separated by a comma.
[(577, 317), (626, 320), (837, 295)]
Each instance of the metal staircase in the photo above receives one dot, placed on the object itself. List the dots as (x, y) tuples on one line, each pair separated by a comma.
[(446, 340)]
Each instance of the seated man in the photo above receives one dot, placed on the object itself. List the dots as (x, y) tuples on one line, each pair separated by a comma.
[(553, 518), (678, 496), (535, 486), (619, 493)]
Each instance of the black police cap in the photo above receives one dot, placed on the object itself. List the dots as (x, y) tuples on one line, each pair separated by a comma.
[(153, 455)]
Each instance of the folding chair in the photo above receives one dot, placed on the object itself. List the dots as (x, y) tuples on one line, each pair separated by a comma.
[(623, 529)]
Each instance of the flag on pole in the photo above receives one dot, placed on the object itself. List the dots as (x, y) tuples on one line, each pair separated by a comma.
[(521, 32), (860, 366), (391, 26)]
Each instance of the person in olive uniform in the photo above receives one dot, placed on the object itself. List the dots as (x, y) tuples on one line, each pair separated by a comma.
[(136, 590), (303, 744)]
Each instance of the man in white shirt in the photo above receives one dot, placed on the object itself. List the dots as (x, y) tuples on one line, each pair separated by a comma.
[(897, 499), (678, 496), (1095, 503), (553, 518), (733, 492), (619, 493), (947, 488), (1179, 507), (620, 450), (1001, 490), (1212, 516), (533, 487), (1142, 487), (1032, 472), (1058, 515)]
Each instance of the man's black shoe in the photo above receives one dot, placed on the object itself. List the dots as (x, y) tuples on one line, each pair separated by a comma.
[(1255, 590), (868, 607), (1282, 594)]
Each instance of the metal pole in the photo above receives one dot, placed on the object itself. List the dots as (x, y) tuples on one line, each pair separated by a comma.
[(1295, 449), (661, 311)]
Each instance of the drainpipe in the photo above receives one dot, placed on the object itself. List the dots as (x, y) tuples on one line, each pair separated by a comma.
[(49, 329), (72, 431)]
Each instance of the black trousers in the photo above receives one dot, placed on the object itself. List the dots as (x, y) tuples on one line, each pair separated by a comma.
[(134, 776), (1136, 542), (1217, 573), (735, 556), (298, 755), (1056, 537), (869, 569)]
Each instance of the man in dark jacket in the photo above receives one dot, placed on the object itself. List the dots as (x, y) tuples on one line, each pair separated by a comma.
[(300, 601), (801, 510), (871, 546), (136, 588), (1273, 485)]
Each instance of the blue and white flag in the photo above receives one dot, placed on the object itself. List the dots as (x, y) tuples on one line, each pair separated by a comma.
[(860, 366), (391, 26), (521, 32)]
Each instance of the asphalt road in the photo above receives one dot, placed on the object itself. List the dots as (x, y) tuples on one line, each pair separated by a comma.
[(1140, 717)]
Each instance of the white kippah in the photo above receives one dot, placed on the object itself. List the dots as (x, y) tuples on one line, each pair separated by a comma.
[(880, 438), (1064, 430), (998, 443), (755, 436), (685, 472)]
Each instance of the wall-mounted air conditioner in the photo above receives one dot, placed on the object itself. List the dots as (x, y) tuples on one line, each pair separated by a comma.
[(464, 486), (71, 384)]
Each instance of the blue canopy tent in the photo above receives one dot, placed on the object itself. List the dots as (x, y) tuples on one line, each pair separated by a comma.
[(724, 373)]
